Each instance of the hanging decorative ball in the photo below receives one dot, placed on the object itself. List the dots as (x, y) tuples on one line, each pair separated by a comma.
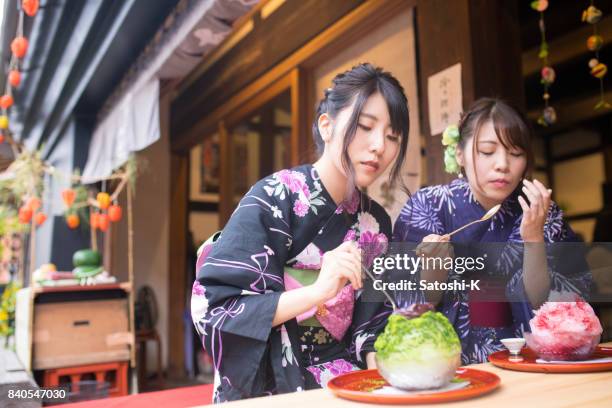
[(33, 203), (68, 195), (103, 222), (114, 213), (93, 220), (103, 200), (546, 96), (548, 75), (599, 70), (14, 78), (25, 215), (549, 116), (1, 138), (539, 5), (6, 101), (30, 7), (594, 42), (19, 47), (591, 15), (4, 122), (73, 221), (40, 218), (593, 62)]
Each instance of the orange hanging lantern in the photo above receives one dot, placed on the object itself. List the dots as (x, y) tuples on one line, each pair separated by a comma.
[(14, 78), (1, 138), (94, 220), (73, 221), (25, 215), (114, 213), (33, 203), (40, 218), (103, 222), (19, 47), (30, 7), (68, 195), (103, 200), (6, 101)]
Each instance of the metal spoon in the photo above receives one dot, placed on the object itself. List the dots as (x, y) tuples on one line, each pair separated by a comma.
[(485, 217), (389, 297)]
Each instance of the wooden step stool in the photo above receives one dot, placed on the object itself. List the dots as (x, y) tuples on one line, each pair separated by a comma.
[(115, 373)]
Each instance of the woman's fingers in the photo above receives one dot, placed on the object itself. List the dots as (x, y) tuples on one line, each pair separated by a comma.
[(348, 271), (352, 260), (535, 200), (523, 204), (546, 194)]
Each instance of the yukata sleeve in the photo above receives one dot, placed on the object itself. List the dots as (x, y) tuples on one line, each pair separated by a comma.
[(236, 293), (371, 312), (567, 266), (417, 219)]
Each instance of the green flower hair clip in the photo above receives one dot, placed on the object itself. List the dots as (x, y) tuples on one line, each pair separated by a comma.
[(450, 139)]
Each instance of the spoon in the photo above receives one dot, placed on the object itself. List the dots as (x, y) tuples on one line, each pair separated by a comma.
[(389, 297), (489, 214)]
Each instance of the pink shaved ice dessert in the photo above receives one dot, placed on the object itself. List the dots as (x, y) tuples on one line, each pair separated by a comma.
[(564, 331)]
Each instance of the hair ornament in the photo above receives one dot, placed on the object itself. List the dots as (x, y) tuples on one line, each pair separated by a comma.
[(450, 139)]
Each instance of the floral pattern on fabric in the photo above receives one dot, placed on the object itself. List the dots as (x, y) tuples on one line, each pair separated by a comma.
[(326, 371), (441, 209), (285, 220)]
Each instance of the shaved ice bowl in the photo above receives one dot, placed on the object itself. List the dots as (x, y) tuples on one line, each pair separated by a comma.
[(556, 351), (564, 331)]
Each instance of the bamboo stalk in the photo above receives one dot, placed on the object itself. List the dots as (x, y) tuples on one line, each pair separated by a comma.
[(92, 231), (32, 247), (22, 250), (131, 274)]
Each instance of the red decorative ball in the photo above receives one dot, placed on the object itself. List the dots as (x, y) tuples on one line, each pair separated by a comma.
[(14, 78), (6, 101), (19, 47), (30, 7)]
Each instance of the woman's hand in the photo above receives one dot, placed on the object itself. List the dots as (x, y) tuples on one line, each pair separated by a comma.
[(534, 213), (339, 266), (435, 246)]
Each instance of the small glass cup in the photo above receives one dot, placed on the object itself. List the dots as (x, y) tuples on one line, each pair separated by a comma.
[(514, 346)]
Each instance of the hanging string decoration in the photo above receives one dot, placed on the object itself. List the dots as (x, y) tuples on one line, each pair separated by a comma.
[(547, 73), (592, 15)]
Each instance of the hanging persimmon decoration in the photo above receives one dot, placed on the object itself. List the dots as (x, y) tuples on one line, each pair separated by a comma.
[(19, 47), (115, 213), (73, 221), (30, 7), (6, 101), (14, 78), (592, 15)]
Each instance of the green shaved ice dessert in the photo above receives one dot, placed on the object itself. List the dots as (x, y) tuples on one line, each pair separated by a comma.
[(419, 353)]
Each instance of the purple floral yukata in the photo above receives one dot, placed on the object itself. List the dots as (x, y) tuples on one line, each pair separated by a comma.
[(286, 221), (444, 208)]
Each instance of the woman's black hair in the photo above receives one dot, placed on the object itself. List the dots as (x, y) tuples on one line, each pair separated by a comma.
[(357, 85), (511, 127)]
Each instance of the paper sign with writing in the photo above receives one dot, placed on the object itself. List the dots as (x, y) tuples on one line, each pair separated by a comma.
[(445, 98)]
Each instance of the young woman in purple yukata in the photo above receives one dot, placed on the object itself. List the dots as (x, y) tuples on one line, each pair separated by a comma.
[(491, 151), (277, 299)]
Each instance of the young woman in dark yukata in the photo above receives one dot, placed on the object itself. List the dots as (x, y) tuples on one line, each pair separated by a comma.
[(491, 151), (277, 300)]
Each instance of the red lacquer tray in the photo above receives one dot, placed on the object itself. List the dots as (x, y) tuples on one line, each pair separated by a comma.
[(359, 386), (529, 364)]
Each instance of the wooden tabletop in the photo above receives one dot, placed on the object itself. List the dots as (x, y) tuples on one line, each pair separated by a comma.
[(517, 390)]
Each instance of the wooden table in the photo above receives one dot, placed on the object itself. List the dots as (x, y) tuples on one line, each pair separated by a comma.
[(517, 390)]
